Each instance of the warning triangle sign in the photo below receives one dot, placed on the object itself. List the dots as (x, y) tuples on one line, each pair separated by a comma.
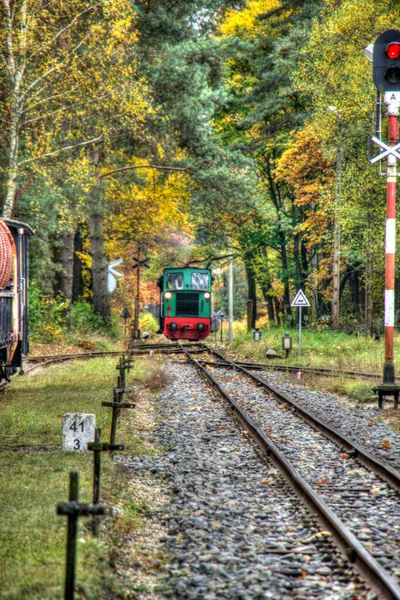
[(300, 299)]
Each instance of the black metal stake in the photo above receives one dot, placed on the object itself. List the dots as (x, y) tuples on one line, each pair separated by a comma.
[(73, 509), (97, 447)]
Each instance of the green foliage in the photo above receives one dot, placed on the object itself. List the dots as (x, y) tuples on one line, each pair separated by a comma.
[(47, 316), (51, 319), (83, 319)]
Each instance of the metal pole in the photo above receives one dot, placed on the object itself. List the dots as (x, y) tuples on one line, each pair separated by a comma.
[(230, 301), (299, 348), (71, 537), (222, 324), (390, 247)]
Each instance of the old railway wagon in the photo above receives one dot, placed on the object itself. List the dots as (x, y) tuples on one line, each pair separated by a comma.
[(185, 303), (14, 333)]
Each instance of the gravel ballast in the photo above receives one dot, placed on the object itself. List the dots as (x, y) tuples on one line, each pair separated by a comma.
[(234, 528), (358, 423), (362, 501)]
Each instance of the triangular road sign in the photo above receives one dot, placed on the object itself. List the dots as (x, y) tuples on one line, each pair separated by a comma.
[(300, 299)]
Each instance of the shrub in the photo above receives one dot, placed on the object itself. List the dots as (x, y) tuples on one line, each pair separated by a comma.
[(83, 319), (47, 316), (147, 322)]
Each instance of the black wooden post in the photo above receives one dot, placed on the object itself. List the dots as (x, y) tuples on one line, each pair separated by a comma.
[(96, 480), (116, 406), (97, 447), (73, 509), (71, 537), (115, 414)]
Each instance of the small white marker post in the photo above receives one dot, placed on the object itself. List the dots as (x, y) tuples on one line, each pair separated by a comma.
[(77, 431), (299, 301)]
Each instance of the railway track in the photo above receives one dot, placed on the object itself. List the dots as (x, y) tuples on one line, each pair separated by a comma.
[(355, 495)]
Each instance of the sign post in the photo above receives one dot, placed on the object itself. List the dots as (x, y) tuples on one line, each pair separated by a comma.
[(386, 76), (299, 301), (113, 274)]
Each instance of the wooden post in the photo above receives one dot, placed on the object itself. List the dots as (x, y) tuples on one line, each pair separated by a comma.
[(116, 409), (97, 447)]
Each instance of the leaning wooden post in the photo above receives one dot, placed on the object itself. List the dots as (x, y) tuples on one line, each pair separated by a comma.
[(97, 447), (116, 409), (73, 509)]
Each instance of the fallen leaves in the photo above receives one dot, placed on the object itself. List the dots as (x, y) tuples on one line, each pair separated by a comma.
[(345, 456), (265, 481), (386, 444), (323, 481)]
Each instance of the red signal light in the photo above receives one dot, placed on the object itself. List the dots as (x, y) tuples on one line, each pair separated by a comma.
[(393, 50)]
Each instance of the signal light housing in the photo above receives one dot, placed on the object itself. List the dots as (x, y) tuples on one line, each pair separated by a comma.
[(393, 50), (386, 61)]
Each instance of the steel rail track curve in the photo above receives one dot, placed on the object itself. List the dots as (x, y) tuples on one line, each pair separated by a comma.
[(345, 539)]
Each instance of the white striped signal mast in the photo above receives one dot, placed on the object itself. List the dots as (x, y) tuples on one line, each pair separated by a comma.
[(385, 55), (300, 301)]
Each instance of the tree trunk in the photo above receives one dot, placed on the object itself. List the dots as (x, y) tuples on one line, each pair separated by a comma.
[(266, 287), (336, 275), (77, 287), (251, 295), (270, 302), (66, 255), (336, 246), (12, 171), (286, 289), (101, 298)]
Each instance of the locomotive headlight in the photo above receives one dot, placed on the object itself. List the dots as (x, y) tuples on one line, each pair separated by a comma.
[(207, 295), (167, 295)]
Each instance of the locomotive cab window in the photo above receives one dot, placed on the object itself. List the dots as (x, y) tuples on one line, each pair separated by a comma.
[(174, 281), (200, 281)]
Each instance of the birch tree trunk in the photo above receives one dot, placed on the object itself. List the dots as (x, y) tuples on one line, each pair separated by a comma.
[(15, 64)]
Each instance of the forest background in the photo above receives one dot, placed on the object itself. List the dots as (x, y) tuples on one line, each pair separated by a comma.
[(197, 131)]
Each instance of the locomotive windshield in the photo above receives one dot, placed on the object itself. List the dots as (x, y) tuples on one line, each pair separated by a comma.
[(174, 281), (200, 281)]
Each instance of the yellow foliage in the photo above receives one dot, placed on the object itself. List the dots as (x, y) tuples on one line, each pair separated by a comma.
[(245, 22)]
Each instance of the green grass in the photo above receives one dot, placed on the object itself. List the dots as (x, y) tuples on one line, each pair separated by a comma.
[(323, 348), (32, 536)]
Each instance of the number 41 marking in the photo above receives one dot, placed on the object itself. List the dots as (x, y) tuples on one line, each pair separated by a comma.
[(75, 427)]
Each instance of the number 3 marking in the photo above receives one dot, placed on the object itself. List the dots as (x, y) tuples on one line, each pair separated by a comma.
[(77, 444)]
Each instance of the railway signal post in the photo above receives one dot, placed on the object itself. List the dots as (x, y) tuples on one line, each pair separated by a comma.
[(386, 76)]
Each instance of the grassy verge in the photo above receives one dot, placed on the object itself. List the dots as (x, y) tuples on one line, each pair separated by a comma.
[(32, 537), (322, 348)]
